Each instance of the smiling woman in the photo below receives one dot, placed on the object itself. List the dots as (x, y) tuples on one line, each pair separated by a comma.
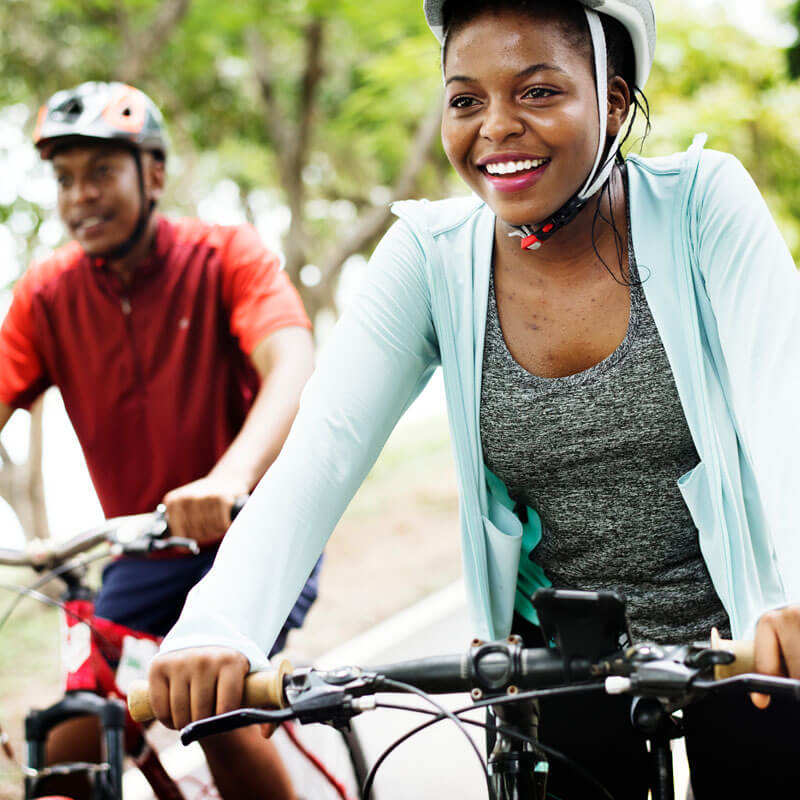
[(617, 339), (530, 105)]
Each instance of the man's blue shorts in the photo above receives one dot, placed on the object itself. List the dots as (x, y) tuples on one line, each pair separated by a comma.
[(148, 594)]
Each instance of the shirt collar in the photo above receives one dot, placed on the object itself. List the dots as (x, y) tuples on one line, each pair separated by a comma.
[(149, 266)]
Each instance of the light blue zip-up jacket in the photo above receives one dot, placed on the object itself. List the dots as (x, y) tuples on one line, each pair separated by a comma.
[(725, 296)]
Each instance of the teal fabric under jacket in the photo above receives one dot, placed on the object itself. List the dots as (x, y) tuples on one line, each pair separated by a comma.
[(725, 295)]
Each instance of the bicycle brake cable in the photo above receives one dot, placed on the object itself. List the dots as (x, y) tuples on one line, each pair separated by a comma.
[(46, 578), (551, 752), (444, 713), (49, 601)]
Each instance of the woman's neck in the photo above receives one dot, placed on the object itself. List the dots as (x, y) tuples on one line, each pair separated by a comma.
[(578, 248)]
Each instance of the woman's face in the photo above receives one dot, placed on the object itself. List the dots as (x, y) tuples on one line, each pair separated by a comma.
[(520, 122)]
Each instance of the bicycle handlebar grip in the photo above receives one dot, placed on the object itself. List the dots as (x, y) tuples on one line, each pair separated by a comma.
[(261, 690), (744, 656), (139, 701)]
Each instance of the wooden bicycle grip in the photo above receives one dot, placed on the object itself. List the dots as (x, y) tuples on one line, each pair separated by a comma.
[(742, 650), (261, 690)]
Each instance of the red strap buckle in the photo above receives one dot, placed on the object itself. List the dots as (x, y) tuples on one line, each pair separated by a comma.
[(530, 242)]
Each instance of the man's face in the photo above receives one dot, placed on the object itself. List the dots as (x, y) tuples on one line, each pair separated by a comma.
[(99, 198)]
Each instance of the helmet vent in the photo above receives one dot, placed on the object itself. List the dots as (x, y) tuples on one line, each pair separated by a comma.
[(72, 108)]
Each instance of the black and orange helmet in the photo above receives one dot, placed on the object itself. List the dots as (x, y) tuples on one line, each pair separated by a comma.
[(104, 111)]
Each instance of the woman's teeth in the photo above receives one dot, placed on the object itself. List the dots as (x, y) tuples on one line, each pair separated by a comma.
[(510, 167)]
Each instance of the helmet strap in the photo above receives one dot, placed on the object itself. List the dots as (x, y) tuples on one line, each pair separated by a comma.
[(533, 235), (145, 212)]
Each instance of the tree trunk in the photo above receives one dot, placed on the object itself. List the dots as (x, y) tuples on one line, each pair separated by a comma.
[(22, 485)]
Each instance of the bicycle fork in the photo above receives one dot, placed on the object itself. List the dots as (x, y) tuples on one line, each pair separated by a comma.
[(106, 779), (654, 722), (516, 770)]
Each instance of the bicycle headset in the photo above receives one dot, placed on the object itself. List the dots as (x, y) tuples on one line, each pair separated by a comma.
[(638, 19), (95, 111)]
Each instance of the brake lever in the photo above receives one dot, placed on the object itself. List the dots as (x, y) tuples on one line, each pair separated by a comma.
[(242, 717), (174, 541), (753, 682)]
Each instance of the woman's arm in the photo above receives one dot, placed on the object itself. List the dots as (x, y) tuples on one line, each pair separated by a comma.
[(380, 355), (754, 288)]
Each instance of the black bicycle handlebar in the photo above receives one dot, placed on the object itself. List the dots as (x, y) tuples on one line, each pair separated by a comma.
[(492, 670)]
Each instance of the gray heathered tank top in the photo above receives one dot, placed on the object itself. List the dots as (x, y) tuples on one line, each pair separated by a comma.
[(598, 454)]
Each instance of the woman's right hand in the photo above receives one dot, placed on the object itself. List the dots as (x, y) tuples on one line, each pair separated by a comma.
[(198, 682)]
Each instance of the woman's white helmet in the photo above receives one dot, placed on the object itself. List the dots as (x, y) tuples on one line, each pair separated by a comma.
[(637, 16)]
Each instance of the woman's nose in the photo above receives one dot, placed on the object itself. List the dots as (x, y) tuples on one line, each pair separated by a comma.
[(501, 121)]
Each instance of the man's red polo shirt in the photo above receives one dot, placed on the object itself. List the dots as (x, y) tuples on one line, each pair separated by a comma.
[(156, 378)]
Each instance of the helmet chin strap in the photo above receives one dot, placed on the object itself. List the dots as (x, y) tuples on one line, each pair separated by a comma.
[(533, 235), (145, 211)]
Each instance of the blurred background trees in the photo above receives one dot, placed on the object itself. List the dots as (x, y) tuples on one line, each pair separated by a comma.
[(307, 117)]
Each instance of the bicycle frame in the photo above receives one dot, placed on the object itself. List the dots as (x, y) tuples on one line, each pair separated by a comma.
[(515, 768), (90, 645)]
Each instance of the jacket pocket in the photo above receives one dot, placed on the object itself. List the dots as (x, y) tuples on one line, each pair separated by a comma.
[(503, 546), (696, 493)]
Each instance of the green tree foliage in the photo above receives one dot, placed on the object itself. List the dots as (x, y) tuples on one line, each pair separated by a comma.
[(712, 76), (317, 104), (793, 52)]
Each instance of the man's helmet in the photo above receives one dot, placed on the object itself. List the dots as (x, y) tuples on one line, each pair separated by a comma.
[(102, 111)]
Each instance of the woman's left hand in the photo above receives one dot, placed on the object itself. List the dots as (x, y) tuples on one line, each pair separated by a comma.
[(777, 646)]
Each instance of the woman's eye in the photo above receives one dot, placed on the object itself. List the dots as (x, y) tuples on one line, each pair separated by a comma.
[(539, 93), (462, 101)]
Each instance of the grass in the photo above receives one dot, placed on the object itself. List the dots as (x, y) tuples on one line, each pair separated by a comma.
[(29, 677)]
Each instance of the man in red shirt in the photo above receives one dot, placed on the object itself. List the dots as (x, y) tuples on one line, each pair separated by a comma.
[(180, 349)]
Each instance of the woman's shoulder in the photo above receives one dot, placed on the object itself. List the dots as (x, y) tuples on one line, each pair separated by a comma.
[(697, 177), (703, 162), (440, 216)]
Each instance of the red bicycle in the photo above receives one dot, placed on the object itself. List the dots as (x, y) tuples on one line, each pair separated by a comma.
[(102, 658)]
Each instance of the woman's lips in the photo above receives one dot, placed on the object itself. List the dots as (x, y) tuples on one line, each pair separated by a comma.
[(515, 181)]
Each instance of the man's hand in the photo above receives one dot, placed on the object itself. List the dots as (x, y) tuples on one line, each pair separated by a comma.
[(777, 646), (201, 510), (195, 683)]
